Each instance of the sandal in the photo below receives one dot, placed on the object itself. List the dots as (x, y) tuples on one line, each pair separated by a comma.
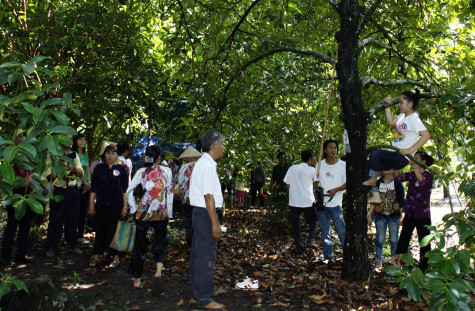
[(137, 283), (114, 264), (213, 305)]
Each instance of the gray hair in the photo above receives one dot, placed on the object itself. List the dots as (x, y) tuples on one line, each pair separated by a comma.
[(210, 138)]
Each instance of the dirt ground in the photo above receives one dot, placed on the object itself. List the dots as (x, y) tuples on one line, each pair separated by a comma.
[(288, 280)]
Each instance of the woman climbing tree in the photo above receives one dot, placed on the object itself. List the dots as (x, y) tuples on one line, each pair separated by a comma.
[(411, 134)]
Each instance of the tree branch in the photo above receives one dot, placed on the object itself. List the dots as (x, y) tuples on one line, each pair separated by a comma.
[(243, 18), (367, 16), (316, 55), (370, 80)]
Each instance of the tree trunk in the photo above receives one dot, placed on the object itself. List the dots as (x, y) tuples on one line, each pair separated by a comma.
[(355, 256)]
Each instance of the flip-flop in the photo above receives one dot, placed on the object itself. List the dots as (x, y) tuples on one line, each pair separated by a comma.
[(157, 288)]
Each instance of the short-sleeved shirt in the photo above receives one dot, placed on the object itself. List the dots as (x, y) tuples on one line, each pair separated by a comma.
[(407, 130), (417, 204), (109, 184), (205, 180), (332, 176), (278, 174), (300, 178)]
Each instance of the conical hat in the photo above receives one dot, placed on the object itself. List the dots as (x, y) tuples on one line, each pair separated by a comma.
[(190, 152)]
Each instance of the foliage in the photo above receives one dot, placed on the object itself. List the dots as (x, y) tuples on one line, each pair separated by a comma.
[(7, 281), (28, 109), (448, 281)]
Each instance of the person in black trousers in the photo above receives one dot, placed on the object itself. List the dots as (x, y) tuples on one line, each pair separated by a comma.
[(108, 188), (258, 180)]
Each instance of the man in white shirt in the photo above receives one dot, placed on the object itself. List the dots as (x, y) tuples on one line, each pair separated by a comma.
[(205, 197), (332, 178), (300, 179)]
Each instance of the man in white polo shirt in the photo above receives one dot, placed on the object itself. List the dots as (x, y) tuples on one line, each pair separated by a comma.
[(300, 179), (205, 197)]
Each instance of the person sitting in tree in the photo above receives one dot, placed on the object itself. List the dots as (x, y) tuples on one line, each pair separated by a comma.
[(411, 134)]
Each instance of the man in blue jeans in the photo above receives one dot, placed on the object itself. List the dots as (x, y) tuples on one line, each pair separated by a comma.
[(332, 178)]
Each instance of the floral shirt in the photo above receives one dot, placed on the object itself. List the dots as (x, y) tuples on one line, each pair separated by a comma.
[(157, 202), (184, 179), (417, 204)]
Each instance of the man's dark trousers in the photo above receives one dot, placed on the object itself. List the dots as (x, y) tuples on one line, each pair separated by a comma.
[(65, 211), (311, 217), (203, 258)]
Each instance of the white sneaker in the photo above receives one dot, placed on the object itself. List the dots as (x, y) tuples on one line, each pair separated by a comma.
[(248, 284)]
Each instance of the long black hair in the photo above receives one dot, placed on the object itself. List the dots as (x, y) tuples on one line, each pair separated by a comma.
[(75, 140), (413, 97)]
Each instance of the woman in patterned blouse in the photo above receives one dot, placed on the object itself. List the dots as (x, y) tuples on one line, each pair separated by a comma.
[(417, 207), (153, 210)]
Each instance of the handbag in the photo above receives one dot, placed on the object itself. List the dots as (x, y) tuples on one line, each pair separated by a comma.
[(124, 237)]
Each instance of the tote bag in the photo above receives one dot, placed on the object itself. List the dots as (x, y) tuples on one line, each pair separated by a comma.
[(124, 237)]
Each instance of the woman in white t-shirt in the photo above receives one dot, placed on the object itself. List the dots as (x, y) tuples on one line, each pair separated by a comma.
[(411, 134)]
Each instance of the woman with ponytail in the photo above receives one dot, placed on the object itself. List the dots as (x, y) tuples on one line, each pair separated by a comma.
[(411, 134), (153, 210)]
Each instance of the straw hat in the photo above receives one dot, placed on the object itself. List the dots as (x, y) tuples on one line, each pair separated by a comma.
[(106, 143), (190, 152)]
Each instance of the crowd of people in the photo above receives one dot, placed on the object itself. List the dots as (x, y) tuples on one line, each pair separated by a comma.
[(110, 191)]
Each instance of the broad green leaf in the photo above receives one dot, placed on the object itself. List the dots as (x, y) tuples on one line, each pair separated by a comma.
[(28, 68), (61, 117), (9, 153), (20, 285), (28, 107), (20, 209), (413, 289), (444, 268), (63, 129), (426, 240), (65, 140), (7, 189), (13, 77), (52, 147), (67, 99), (463, 257), (35, 205), (38, 59), (35, 186), (39, 197), (4, 289), (58, 198), (10, 199), (394, 271), (10, 64), (51, 102), (8, 174), (408, 259), (28, 148)]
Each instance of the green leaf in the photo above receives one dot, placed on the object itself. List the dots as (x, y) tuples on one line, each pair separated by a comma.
[(467, 234), (65, 140), (8, 174), (413, 290), (20, 209), (394, 271), (10, 199), (51, 102), (9, 153), (426, 240), (61, 117), (35, 205), (28, 148), (13, 77), (444, 268), (63, 129), (408, 259), (28, 68), (52, 147), (10, 64), (39, 197), (20, 285), (28, 107), (36, 186), (38, 59), (67, 99), (58, 198), (4, 288), (5, 187)]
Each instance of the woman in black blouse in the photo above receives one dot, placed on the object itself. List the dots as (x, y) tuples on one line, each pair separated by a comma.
[(108, 187)]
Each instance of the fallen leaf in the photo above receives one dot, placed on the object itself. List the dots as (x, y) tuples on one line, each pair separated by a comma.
[(180, 303), (136, 307)]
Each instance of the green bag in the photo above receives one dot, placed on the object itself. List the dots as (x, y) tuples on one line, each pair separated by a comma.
[(124, 237)]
